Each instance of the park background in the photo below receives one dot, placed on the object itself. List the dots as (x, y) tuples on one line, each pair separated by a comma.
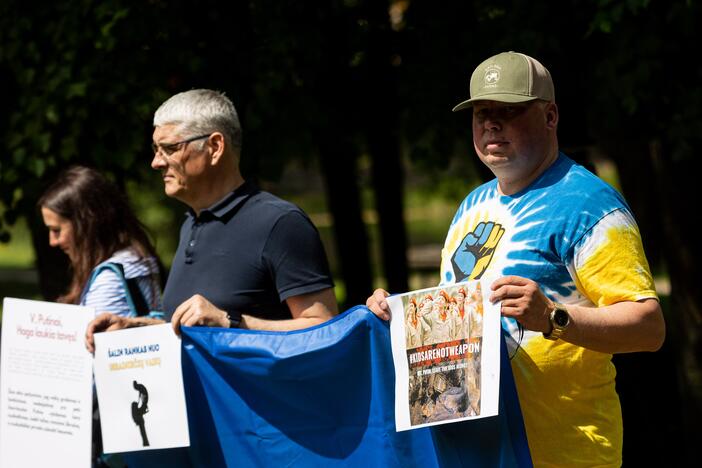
[(346, 111)]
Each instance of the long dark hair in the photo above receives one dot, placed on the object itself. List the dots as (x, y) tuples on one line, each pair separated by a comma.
[(102, 222)]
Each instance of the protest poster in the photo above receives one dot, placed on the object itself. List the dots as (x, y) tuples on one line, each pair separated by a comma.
[(140, 391), (446, 352), (45, 385)]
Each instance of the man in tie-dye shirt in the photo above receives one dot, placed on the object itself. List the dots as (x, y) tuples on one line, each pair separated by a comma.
[(565, 258)]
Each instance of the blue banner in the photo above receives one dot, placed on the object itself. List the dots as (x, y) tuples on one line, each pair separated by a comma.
[(323, 396)]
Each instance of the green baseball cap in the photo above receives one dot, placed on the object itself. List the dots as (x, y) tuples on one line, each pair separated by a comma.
[(509, 77)]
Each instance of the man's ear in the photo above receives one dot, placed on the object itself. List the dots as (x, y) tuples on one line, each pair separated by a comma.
[(551, 111), (216, 144)]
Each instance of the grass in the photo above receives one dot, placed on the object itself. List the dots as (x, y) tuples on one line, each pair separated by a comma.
[(19, 253), (17, 278)]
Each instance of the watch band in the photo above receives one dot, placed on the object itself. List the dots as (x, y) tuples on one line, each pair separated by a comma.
[(559, 319), (234, 320)]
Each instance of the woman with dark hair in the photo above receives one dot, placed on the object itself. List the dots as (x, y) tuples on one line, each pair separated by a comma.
[(113, 263)]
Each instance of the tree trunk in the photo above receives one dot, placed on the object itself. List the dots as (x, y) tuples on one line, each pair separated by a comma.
[(383, 146), (388, 184), (338, 162)]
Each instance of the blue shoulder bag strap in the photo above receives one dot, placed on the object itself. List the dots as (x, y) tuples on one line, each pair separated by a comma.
[(132, 292)]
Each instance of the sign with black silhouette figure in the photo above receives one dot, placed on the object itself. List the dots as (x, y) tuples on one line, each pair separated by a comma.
[(140, 389), (139, 409), (446, 351)]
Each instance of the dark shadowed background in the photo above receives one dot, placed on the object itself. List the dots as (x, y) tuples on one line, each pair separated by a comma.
[(346, 110)]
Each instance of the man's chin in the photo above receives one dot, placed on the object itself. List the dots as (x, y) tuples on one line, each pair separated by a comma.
[(172, 190), (176, 192), (496, 160)]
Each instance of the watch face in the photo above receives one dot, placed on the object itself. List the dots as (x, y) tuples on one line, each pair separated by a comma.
[(560, 318)]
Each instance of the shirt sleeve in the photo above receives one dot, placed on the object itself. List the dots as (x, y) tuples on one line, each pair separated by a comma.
[(107, 294), (609, 262), (295, 257)]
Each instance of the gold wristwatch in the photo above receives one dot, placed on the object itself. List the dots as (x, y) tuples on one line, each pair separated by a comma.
[(560, 319)]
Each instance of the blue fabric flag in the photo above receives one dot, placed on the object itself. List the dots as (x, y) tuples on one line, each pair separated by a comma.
[(323, 396)]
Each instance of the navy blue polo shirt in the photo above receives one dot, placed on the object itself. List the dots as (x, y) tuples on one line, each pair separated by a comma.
[(247, 254)]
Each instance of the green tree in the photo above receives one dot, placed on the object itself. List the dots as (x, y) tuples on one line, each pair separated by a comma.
[(84, 85), (59, 63)]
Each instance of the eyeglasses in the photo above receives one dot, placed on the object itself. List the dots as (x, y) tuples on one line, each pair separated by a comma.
[(167, 149)]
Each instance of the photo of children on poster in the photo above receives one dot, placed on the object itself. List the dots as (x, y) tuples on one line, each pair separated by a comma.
[(443, 342)]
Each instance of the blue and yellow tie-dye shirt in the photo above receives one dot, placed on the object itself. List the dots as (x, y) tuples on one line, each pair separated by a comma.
[(574, 235)]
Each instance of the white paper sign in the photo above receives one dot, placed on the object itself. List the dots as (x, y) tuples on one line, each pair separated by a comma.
[(140, 389), (446, 350), (45, 385)]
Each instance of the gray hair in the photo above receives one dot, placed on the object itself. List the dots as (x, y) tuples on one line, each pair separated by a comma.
[(200, 111)]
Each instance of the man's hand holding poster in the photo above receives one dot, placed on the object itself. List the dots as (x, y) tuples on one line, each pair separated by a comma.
[(446, 350)]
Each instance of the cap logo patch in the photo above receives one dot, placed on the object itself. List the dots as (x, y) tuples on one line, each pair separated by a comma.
[(492, 76)]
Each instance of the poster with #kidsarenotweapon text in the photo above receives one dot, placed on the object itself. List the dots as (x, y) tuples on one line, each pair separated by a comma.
[(446, 350)]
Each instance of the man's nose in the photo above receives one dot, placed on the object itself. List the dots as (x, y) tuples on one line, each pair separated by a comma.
[(158, 162), (492, 122)]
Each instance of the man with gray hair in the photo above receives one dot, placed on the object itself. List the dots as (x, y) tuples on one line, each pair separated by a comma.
[(245, 258)]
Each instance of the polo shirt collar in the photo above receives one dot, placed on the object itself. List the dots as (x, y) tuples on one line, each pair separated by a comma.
[(231, 201)]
